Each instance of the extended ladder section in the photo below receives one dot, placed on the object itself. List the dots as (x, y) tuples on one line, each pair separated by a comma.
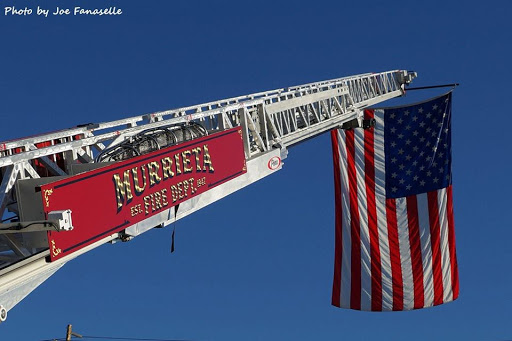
[(270, 122)]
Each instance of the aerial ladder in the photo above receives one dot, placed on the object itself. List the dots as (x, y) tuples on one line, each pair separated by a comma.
[(268, 122)]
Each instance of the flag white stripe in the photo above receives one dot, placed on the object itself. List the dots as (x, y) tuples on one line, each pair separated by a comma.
[(426, 249), (379, 158), (346, 263), (445, 249), (366, 275), (380, 201), (339, 174), (385, 257), (405, 252)]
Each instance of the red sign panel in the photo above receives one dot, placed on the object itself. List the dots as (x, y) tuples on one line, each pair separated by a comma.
[(109, 199)]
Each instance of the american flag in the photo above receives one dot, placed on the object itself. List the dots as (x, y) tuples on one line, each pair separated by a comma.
[(395, 238)]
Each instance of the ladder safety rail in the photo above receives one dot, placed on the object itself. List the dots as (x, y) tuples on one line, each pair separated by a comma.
[(363, 90)]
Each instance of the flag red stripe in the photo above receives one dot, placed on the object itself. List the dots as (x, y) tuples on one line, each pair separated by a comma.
[(451, 243), (369, 170), (394, 248), (415, 246), (336, 285), (355, 278), (435, 240)]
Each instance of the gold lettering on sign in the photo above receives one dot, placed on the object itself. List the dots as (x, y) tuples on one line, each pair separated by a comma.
[(123, 188), (47, 193), (136, 182), (141, 178), (178, 163), (197, 152), (55, 251), (154, 178), (155, 201), (207, 160), (166, 167), (186, 162)]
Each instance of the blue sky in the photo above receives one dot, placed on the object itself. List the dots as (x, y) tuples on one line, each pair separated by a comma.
[(258, 264)]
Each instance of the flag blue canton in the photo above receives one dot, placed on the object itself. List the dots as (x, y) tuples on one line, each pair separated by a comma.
[(418, 147)]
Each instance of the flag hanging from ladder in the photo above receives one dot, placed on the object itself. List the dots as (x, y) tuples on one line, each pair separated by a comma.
[(395, 238)]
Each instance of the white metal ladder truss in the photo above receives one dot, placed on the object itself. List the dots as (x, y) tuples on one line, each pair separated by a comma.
[(271, 121)]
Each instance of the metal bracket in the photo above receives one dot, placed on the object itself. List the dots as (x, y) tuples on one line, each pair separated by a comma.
[(358, 123), (3, 313)]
